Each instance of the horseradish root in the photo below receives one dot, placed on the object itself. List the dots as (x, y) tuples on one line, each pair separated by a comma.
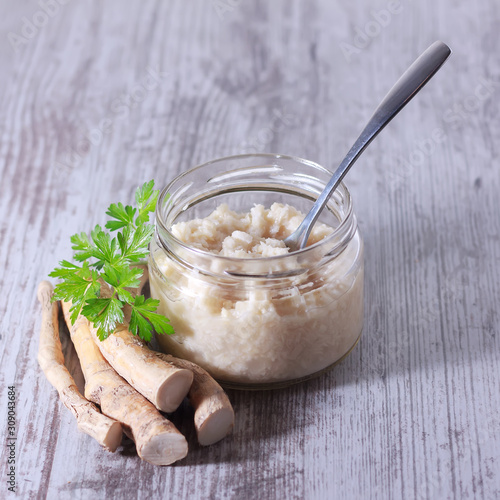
[(106, 431), (162, 383), (157, 440), (214, 415)]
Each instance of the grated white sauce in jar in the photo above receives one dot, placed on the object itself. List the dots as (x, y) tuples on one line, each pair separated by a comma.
[(255, 331), (258, 233)]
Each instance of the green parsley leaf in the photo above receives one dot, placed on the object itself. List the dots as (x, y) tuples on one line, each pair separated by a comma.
[(137, 247), (105, 314), (82, 246), (122, 277), (107, 264), (124, 216), (80, 284), (67, 269), (144, 193), (144, 318), (146, 198), (105, 247)]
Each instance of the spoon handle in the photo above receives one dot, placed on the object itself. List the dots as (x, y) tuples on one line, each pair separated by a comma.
[(414, 78)]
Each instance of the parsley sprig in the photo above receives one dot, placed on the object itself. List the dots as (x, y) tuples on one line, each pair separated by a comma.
[(99, 287)]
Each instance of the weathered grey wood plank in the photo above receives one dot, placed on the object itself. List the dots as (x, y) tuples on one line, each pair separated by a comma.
[(103, 97)]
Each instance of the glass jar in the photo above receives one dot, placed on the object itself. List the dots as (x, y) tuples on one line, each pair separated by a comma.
[(258, 323)]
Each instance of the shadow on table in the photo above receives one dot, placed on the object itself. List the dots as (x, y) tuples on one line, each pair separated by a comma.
[(429, 301), (259, 416)]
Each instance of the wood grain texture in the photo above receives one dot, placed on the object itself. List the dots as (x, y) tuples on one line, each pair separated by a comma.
[(103, 96)]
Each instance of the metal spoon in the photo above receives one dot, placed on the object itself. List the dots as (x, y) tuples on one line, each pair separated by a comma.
[(414, 78)]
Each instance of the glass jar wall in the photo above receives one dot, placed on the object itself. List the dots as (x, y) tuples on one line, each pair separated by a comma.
[(258, 322)]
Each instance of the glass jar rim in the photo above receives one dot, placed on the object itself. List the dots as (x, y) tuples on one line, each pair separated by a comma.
[(345, 223)]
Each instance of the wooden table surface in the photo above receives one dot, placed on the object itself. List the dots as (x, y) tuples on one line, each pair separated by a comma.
[(97, 97)]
